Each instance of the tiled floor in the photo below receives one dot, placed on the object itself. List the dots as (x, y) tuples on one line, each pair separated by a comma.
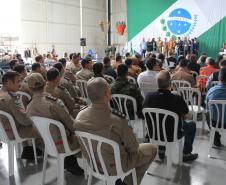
[(204, 171)]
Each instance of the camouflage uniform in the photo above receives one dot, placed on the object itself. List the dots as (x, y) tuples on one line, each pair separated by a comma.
[(122, 86)]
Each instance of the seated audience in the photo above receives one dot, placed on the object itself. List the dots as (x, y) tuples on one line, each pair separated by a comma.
[(13, 63), (202, 60), (40, 60), (122, 86), (132, 70), (192, 64), (98, 69), (67, 72), (140, 62), (164, 99), (23, 86), (10, 103), (74, 65), (218, 92), (214, 76), (100, 120), (67, 83), (86, 72), (206, 71), (54, 88), (147, 79), (108, 69), (36, 68), (45, 105), (117, 62), (183, 73)]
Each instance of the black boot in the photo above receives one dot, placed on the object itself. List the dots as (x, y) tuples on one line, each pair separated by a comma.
[(71, 165), (217, 140), (119, 182), (28, 153)]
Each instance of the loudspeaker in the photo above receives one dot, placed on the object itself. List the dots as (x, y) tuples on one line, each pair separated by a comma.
[(82, 41)]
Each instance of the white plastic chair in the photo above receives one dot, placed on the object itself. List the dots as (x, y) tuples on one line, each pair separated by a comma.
[(109, 78), (11, 143), (213, 83), (82, 84), (180, 83), (145, 88), (94, 166), (192, 97), (131, 80), (23, 94), (216, 107), (201, 79), (153, 115), (119, 102), (42, 124)]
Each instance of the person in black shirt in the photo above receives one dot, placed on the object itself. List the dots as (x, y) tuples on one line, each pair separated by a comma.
[(164, 99)]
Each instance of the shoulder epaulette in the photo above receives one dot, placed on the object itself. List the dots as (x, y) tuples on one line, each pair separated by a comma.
[(67, 78), (51, 97), (61, 87), (118, 113)]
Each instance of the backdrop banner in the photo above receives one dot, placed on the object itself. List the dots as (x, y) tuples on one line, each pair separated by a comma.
[(204, 19)]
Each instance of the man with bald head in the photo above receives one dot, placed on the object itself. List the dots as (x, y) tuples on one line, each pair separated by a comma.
[(98, 119), (164, 99)]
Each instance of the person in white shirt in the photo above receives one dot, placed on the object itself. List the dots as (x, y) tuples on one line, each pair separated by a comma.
[(147, 79)]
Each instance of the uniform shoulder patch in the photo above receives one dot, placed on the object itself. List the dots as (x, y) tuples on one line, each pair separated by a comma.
[(61, 87), (51, 97), (118, 113), (67, 78)]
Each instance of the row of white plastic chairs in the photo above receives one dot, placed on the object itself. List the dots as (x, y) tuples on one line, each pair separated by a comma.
[(42, 125)]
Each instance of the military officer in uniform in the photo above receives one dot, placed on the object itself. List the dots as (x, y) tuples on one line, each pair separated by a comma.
[(74, 65), (98, 119), (40, 60), (45, 105), (66, 82), (59, 91), (86, 72), (69, 75), (24, 86), (10, 103)]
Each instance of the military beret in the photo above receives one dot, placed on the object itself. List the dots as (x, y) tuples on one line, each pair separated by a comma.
[(35, 80)]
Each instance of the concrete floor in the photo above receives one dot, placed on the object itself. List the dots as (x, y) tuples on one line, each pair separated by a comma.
[(203, 171)]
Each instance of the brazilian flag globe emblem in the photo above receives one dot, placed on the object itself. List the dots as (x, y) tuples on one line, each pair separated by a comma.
[(179, 21)]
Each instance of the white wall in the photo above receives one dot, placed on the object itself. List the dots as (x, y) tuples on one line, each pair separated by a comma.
[(48, 22), (118, 14)]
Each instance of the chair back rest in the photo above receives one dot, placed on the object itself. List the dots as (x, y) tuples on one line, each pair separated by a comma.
[(109, 78), (157, 117), (3, 135), (213, 83), (87, 141), (82, 84), (23, 94), (120, 102), (43, 124), (217, 113), (192, 97), (131, 80), (201, 82), (180, 83)]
